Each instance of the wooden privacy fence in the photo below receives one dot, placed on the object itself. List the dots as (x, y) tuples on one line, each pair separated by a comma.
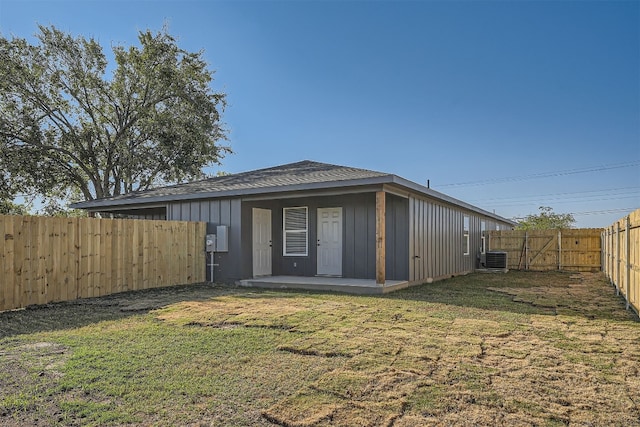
[(45, 259), (543, 250), (621, 257)]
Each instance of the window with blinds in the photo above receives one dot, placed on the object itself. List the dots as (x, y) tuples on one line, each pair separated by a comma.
[(295, 231)]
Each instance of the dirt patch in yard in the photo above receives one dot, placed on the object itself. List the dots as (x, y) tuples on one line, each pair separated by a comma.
[(25, 369)]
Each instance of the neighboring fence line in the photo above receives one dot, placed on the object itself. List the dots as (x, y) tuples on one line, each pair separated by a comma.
[(543, 250), (621, 257), (47, 259)]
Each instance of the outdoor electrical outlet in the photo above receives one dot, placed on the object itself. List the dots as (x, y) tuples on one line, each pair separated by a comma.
[(295, 264)]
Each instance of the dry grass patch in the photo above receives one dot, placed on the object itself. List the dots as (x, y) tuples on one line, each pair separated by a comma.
[(415, 362)]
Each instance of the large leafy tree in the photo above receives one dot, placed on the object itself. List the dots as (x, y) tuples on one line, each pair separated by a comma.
[(73, 126), (547, 219), (7, 207)]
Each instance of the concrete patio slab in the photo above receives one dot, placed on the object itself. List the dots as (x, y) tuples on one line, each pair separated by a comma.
[(322, 283)]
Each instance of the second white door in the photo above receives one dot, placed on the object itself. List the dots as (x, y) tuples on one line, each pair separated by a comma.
[(330, 241)]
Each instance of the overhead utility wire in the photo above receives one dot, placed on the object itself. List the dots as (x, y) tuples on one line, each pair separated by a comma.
[(544, 175), (608, 192), (601, 212), (606, 211), (556, 200)]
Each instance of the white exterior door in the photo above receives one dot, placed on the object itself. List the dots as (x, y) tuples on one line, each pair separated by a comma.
[(261, 242), (330, 241)]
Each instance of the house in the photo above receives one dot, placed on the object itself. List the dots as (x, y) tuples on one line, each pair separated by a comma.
[(310, 222)]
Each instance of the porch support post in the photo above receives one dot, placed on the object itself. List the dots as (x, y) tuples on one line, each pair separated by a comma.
[(381, 214)]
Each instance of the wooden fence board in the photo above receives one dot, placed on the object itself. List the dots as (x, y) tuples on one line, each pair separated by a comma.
[(621, 257), (94, 260), (23, 292), (122, 240), (181, 247), (137, 276), (100, 277), (106, 259), (41, 263), (3, 272), (9, 278), (146, 249), (115, 263), (71, 284), (52, 265), (59, 255), (17, 259), (158, 248), (83, 259), (44, 259), (546, 250)]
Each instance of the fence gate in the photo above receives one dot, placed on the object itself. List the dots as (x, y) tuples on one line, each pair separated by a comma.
[(545, 250)]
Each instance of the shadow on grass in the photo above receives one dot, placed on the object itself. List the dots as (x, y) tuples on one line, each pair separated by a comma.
[(547, 293), (82, 312)]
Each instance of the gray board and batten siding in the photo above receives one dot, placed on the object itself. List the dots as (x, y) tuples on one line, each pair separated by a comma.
[(436, 239), (228, 265), (358, 234), (424, 237), (424, 228)]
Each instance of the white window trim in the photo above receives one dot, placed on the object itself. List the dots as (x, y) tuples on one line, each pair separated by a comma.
[(285, 232), (466, 238), (465, 234)]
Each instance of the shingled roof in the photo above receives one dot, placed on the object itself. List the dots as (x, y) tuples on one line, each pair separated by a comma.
[(300, 176), (287, 177)]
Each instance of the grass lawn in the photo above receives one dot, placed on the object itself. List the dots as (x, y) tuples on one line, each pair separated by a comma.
[(511, 349)]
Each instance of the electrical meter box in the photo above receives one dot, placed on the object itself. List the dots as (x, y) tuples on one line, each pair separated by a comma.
[(218, 242), (222, 241), (210, 243)]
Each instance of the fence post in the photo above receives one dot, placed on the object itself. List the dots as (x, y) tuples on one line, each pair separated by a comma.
[(603, 250), (618, 258), (526, 250), (628, 241), (559, 250), (611, 258), (605, 254)]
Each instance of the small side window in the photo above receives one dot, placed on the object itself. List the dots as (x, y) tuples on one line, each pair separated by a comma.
[(483, 230), (465, 235)]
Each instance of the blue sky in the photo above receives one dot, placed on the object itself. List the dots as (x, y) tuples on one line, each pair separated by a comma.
[(532, 102)]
